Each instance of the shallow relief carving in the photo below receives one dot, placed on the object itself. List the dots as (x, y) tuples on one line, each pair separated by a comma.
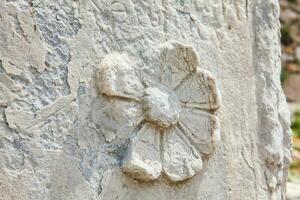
[(177, 126)]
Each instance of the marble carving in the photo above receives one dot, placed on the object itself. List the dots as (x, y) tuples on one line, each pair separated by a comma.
[(89, 94), (179, 126)]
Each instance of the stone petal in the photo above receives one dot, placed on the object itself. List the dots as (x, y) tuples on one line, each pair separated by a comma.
[(142, 159), (200, 91), (177, 62), (117, 76), (180, 159), (202, 129)]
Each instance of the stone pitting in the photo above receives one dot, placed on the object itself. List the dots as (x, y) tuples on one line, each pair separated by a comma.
[(178, 126)]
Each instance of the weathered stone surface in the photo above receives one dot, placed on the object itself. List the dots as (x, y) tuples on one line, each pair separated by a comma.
[(115, 99)]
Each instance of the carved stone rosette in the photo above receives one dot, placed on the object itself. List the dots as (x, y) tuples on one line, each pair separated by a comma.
[(179, 124)]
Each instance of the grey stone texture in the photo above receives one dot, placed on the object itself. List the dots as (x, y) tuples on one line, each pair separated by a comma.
[(142, 99)]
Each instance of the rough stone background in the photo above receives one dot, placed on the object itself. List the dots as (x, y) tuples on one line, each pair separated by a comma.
[(51, 143)]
